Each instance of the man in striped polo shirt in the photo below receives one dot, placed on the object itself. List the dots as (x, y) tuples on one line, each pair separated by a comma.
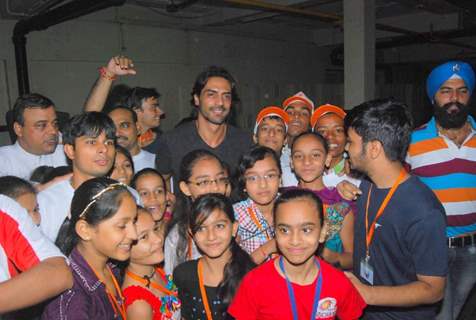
[(443, 154)]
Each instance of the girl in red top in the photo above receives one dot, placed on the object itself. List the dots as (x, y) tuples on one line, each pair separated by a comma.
[(297, 284), (149, 294)]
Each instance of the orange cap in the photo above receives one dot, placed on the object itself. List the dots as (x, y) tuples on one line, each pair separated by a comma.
[(271, 111), (300, 96), (325, 109)]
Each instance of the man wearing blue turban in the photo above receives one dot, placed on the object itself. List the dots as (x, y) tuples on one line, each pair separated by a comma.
[(443, 154)]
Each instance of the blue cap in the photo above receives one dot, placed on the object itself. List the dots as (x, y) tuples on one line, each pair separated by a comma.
[(445, 71)]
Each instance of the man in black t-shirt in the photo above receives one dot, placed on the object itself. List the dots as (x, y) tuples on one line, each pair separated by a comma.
[(213, 94), (400, 255)]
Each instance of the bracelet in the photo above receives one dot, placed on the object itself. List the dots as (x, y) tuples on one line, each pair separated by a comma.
[(103, 74)]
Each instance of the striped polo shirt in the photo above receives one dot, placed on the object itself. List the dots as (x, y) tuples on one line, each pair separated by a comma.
[(450, 171)]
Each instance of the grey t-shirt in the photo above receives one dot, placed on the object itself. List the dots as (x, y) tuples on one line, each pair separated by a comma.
[(175, 144)]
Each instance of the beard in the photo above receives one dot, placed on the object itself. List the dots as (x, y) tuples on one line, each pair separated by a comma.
[(452, 115)]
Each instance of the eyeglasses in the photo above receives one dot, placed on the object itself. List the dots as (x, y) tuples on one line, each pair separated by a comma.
[(222, 181), (267, 177)]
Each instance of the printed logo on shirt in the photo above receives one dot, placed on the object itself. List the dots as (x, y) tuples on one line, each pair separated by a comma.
[(327, 308)]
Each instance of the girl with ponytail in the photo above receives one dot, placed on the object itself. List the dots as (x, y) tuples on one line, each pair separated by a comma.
[(101, 227), (207, 285)]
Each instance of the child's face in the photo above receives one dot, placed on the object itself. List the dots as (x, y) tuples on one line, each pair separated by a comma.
[(271, 133), (298, 230), (208, 176), (122, 171), (262, 181), (113, 237), (331, 127), (308, 158), (29, 202), (92, 156), (215, 234), (150, 240), (153, 194)]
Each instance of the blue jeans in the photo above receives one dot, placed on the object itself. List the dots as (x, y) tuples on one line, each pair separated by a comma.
[(461, 279)]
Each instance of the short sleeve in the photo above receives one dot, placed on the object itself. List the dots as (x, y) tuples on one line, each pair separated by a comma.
[(244, 304), (426, 241), (351, 305), (163, 160), (21, 239)]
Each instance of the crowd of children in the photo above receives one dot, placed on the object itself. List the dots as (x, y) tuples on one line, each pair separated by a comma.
[(267, 239)]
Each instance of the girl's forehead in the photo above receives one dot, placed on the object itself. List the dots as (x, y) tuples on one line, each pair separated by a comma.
[(207, 166), (307, 143), (149, 178)]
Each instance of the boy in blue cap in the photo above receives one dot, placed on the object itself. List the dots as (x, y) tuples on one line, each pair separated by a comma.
[(443, 154)]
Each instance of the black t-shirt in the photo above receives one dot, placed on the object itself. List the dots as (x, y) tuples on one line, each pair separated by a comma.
[(175, 144), (186, 279), (409, 239)]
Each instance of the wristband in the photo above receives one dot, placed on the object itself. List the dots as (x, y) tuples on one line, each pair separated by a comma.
[(103, 74)]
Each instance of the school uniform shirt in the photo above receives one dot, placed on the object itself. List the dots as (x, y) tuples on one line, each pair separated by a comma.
[(18, 162), (87, 299), (171, 257), (22, 245), (186, 279), (288, 177), (263, 295), (144, 159)]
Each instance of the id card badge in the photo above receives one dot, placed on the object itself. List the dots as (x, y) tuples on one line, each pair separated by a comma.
[(366, 270)]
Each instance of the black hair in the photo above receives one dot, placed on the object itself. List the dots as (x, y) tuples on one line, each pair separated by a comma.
[(121, 107), (44, 174), (137, 95), (299, 194), (240, 262), (27, 101), (93, 209), (90, 124), (384, 120), (214, 71), (317, 135), (181, 216), (126, 153), (249, 159), (14, 187), (144, 172)]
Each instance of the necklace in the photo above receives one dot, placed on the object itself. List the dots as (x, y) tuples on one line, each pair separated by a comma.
[(146, 280)]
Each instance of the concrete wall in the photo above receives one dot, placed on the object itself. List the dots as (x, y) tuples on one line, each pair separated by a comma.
[(63, 62)]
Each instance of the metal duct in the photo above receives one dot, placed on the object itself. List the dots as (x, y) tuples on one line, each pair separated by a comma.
[(68, 11)]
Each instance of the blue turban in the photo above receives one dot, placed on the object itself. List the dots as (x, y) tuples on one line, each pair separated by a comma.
[(443, 72)]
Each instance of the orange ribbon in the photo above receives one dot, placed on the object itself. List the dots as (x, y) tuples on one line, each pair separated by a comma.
[(203, 292)]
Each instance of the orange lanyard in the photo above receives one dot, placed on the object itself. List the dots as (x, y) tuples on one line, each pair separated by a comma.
[(203, 292), (116, 306), (154, 284), (257, 223), (369, 232)]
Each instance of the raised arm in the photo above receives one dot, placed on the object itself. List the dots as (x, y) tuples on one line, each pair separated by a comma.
[(117, 66)]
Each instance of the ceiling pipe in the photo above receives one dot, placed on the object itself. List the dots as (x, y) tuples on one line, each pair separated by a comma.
[(337, 55), (174, 7), (335, 19), (68, 11)]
